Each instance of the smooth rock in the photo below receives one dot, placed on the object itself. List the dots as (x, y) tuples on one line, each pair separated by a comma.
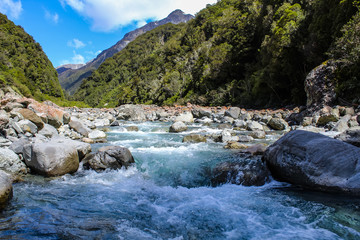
[(351, 136), (132, 128), (6, 190), (233, 112), (18, 146), (245, 138), (28, 127), (54, 158), (178, 127), (254, 126), (131, 113), (240, 124), (33, 117), (112, 157), (278, 124), (235, 145), (115, 123), (11, 163), (247, 172), (185, 117), (227, 136), (48, 131), (316, 162), (258, 134), (79, 126), (194, 138), (342, 124), (96, 134)]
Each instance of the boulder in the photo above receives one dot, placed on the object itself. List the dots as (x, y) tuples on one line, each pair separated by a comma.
[(351, 136), (6, 191), (4, 120), (227, 136), (200, 113), (194, 138), (247, 172), (258, 134), (97, 134), (79, 126), (240, 124), (54, 158), (131, 113), (254, 126), (315, 161), (320, 85), (278, 124), (18, 146), (245, 138), (178, 127), (115, 123), (185, 117), (33, 117), (235, 145), (11, 163), (132, 128), (233, 112), (328, 114), (112, 157), (27, 126), (49, 131), (342, 124)]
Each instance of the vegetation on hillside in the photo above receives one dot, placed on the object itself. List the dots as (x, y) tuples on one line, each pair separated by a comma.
[(23, 64), (238, 52)]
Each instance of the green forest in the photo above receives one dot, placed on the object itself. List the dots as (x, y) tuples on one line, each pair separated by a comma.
[(23, 64), (236, 52)]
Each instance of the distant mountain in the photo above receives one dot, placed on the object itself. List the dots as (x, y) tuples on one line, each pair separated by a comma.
[(66, 67), (71, 79), (23, 64)]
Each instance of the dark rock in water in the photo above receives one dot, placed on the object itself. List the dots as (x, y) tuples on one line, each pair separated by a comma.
[(200, 113), (247, 172), (194, 138), (112, 157), (6, 191), (115, 123), (316, 162), (351, 136), (320, 85)]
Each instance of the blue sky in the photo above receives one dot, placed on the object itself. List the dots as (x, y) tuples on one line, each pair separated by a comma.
[(75, 31)]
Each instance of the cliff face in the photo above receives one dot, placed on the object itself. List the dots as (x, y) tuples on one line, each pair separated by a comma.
[(23, 64), (70, 79)]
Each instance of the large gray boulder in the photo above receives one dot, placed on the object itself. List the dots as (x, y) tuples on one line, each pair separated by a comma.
[(79, 126), (185, 117), (6, 191), (278, 124), (233, 112), (111, 157), (178, 127), (11, 163), (131, 113), (54, 158), (49, 131), (315, 161)]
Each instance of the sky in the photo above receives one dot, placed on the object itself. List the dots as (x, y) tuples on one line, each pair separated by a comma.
[(76, 31)]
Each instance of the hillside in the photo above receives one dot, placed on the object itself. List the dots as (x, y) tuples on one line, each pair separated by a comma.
[(246, 53), (71, 79), (23, 64)]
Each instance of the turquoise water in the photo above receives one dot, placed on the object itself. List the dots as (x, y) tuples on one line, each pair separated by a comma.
[(167, 195)]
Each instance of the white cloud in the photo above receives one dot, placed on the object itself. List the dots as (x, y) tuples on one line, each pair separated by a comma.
[(76, 43), (141, 23), (11, 7), (52, 17), (76, 59), (107, 15)]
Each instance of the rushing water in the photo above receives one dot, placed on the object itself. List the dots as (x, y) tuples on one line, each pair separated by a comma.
[(167, 195)]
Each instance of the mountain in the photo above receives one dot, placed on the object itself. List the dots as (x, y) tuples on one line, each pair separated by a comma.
[(71, 79), (66, 67), (23, 64), (245, 53)]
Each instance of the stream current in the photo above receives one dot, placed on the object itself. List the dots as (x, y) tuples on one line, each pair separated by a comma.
[(168, 195)]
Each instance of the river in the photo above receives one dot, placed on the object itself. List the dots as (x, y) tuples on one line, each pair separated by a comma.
[(168, 195)]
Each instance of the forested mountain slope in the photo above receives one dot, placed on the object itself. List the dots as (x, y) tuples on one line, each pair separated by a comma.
[(238, 52), (23, 64)]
